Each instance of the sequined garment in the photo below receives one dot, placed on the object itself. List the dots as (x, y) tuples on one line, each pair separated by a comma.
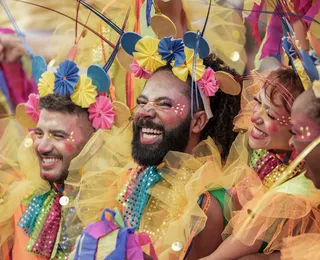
[(45, 221), (138, 198), (269, 161)]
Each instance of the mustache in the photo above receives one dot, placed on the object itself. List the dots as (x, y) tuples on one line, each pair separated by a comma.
[(55, 155), (148, 124)]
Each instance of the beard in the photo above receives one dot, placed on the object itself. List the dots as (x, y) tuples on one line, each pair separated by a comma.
[(152, 154)]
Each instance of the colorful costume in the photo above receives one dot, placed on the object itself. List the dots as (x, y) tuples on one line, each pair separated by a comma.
[(40, 217), (163, 200)]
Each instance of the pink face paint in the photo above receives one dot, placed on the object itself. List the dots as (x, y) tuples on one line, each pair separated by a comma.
[(68, 146), (272, 127)]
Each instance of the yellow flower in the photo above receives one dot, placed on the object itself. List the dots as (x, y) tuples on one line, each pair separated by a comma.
[(46, 83), (185, 69), (85, 93), (147, 54), (316, 88)]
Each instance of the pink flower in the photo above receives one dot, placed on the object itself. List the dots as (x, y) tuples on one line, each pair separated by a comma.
[(32, 107), (101, 113), (208, 84), (138, 71)]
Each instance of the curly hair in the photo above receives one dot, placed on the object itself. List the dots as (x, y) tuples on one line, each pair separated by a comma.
[(224, 108)]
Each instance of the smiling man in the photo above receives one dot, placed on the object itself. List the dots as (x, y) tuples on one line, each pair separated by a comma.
[(62, 131), (171, 141), (61, 150)]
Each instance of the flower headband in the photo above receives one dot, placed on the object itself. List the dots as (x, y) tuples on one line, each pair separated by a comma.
[(150, 53), (86, 91)]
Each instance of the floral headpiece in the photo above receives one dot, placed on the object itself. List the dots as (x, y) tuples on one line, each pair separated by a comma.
[(86, 91), (186, 58)]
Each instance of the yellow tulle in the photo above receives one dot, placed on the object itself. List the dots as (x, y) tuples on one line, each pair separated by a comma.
[(306, 247), (46, 83), (186, 69), (222, 18), (19, 173), (172, 209), (147, 54), (85, 93)]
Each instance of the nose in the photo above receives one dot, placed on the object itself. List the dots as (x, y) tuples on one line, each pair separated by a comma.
[(291, 143), (147, 111), (256, 117), (44, 145)]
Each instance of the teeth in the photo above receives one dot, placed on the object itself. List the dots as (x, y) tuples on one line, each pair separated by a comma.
[(50, 160), (151, 131), (148, 136), (258, 132)]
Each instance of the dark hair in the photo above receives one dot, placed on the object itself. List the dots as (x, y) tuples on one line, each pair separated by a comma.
[(63, 104), (224, 108), (286, 84)]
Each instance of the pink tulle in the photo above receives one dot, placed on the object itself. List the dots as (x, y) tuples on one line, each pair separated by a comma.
[(138, 71), (32, 107), (101, 113), (208, 84)]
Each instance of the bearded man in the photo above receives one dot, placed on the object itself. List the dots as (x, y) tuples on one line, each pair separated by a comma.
[(165, 193)]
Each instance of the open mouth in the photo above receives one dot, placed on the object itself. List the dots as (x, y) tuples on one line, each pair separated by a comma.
[(49, 162), (258, 134), (150, 135)]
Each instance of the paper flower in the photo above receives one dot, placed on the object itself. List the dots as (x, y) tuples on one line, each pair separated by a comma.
[(208, 84), (46, 84), (185, 69), (32, 107), (171, 50), (147, 54), (101, 113), (84, 93), (316, 88), (138, 71), (66, 78)]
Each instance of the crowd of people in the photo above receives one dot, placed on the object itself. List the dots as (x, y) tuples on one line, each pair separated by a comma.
[(177, 129)]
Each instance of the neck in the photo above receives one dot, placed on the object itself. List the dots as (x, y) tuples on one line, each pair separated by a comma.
[(193, 142)]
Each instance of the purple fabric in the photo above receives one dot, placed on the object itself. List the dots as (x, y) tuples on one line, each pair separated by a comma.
[(273, 38)]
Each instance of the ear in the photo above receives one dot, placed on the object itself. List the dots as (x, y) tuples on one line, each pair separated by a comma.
[(198, 122)]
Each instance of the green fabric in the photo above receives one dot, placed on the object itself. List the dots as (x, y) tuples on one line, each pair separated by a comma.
[(219, 195), (256, 156)]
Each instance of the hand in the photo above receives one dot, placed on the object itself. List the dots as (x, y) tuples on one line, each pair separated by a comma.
[(11, 48)]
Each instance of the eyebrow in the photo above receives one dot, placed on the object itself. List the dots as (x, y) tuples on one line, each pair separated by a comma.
[(157, 99)]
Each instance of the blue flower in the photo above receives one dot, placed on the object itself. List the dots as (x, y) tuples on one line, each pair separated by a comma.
[(171, 50), (66, 78)]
